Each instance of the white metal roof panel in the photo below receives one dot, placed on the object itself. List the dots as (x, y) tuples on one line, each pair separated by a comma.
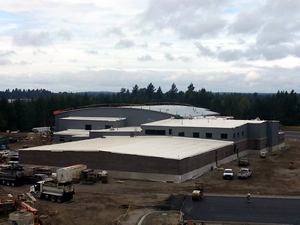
[(182, 110), (209, 122), (153, 146)]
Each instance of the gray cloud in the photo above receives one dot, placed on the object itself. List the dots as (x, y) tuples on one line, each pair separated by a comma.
[(190, 19), (145, 58), (7, 53), (165, 44), (145, 45), (185, 58), (32, 39), (64, 34), (115, 31), (205, 51), (39, 52), (5, 62), (91, 52), (125, 44), (169, 57)]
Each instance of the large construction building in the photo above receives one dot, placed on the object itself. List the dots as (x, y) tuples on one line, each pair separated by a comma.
[(161, 142)]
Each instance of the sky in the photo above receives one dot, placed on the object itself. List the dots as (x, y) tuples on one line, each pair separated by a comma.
[(84, 45)]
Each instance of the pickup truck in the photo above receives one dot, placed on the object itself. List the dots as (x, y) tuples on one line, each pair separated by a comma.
[(244, 162), (228, 174), (35, 178), (244, 173)]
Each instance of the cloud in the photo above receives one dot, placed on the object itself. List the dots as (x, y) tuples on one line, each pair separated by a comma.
[(91, 52), (125, 44), (145, 45), (5, 62), (64, 34), (39, 52), (169, 57), (189, 19), (32, 39), (205, 51), (7, 53), (185, 58), (252, 76), (145, 58), (117, 31), (165, 44)]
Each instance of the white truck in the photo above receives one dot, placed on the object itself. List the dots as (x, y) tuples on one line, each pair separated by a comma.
[(53, 190), (228, 174), (244, 173)]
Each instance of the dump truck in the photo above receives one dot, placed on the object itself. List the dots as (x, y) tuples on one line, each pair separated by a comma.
[(12, 175), (53, 190), (197, 193)]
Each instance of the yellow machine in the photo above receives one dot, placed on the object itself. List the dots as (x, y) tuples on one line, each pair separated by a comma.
[(197, 193)]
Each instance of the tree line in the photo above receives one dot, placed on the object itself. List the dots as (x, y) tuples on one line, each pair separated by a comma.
[(38, 110)]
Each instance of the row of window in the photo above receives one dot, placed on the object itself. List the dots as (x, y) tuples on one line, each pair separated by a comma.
[(195, 134)]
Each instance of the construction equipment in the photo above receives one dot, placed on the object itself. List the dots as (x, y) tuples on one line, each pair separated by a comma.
[(53, 190), (197, 193), (25, 215)]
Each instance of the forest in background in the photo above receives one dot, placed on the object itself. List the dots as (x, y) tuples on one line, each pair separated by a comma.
[(24, 109)]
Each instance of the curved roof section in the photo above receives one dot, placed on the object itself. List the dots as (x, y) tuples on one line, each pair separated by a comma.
[(181, 110)]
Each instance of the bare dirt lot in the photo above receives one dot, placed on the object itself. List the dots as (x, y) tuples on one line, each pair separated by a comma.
[(106, 203)]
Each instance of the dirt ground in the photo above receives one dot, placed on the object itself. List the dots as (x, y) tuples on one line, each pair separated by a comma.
[(106, 204)]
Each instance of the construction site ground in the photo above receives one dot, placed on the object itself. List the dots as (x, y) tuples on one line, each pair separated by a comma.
[(127, 201)]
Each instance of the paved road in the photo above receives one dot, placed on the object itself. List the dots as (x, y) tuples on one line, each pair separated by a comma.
[(237, 209), (292, 135)]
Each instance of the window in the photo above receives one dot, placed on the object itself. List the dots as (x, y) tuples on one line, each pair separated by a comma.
[(108, 126), (238, 134), (88, 127), (224, 136), (208, 135), (243, 133), (155, 132), (196, 135), (170, 131), (233, 135), (181, 134), (62, 139)]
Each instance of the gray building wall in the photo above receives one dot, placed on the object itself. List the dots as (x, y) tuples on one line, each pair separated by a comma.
[(272, 133), (134, 117), (65, 124), (257, 130)]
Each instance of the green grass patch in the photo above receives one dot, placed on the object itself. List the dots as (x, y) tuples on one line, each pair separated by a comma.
[(290, 128)]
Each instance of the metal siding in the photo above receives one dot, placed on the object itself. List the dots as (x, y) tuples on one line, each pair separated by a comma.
[(134, 117)]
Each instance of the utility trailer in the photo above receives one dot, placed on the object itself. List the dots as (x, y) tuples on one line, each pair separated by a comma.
[(53, 190)]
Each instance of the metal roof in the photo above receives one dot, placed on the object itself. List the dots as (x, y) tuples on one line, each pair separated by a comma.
[(182, 110), (152, 146), (212, 122)]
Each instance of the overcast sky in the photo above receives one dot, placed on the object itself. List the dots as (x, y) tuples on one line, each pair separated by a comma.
[(84, 45)]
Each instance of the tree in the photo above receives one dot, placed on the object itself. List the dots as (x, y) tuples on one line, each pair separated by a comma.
[(150, 91)]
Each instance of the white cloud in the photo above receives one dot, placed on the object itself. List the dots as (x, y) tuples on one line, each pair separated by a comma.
[(125, 44), (252, 76)]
